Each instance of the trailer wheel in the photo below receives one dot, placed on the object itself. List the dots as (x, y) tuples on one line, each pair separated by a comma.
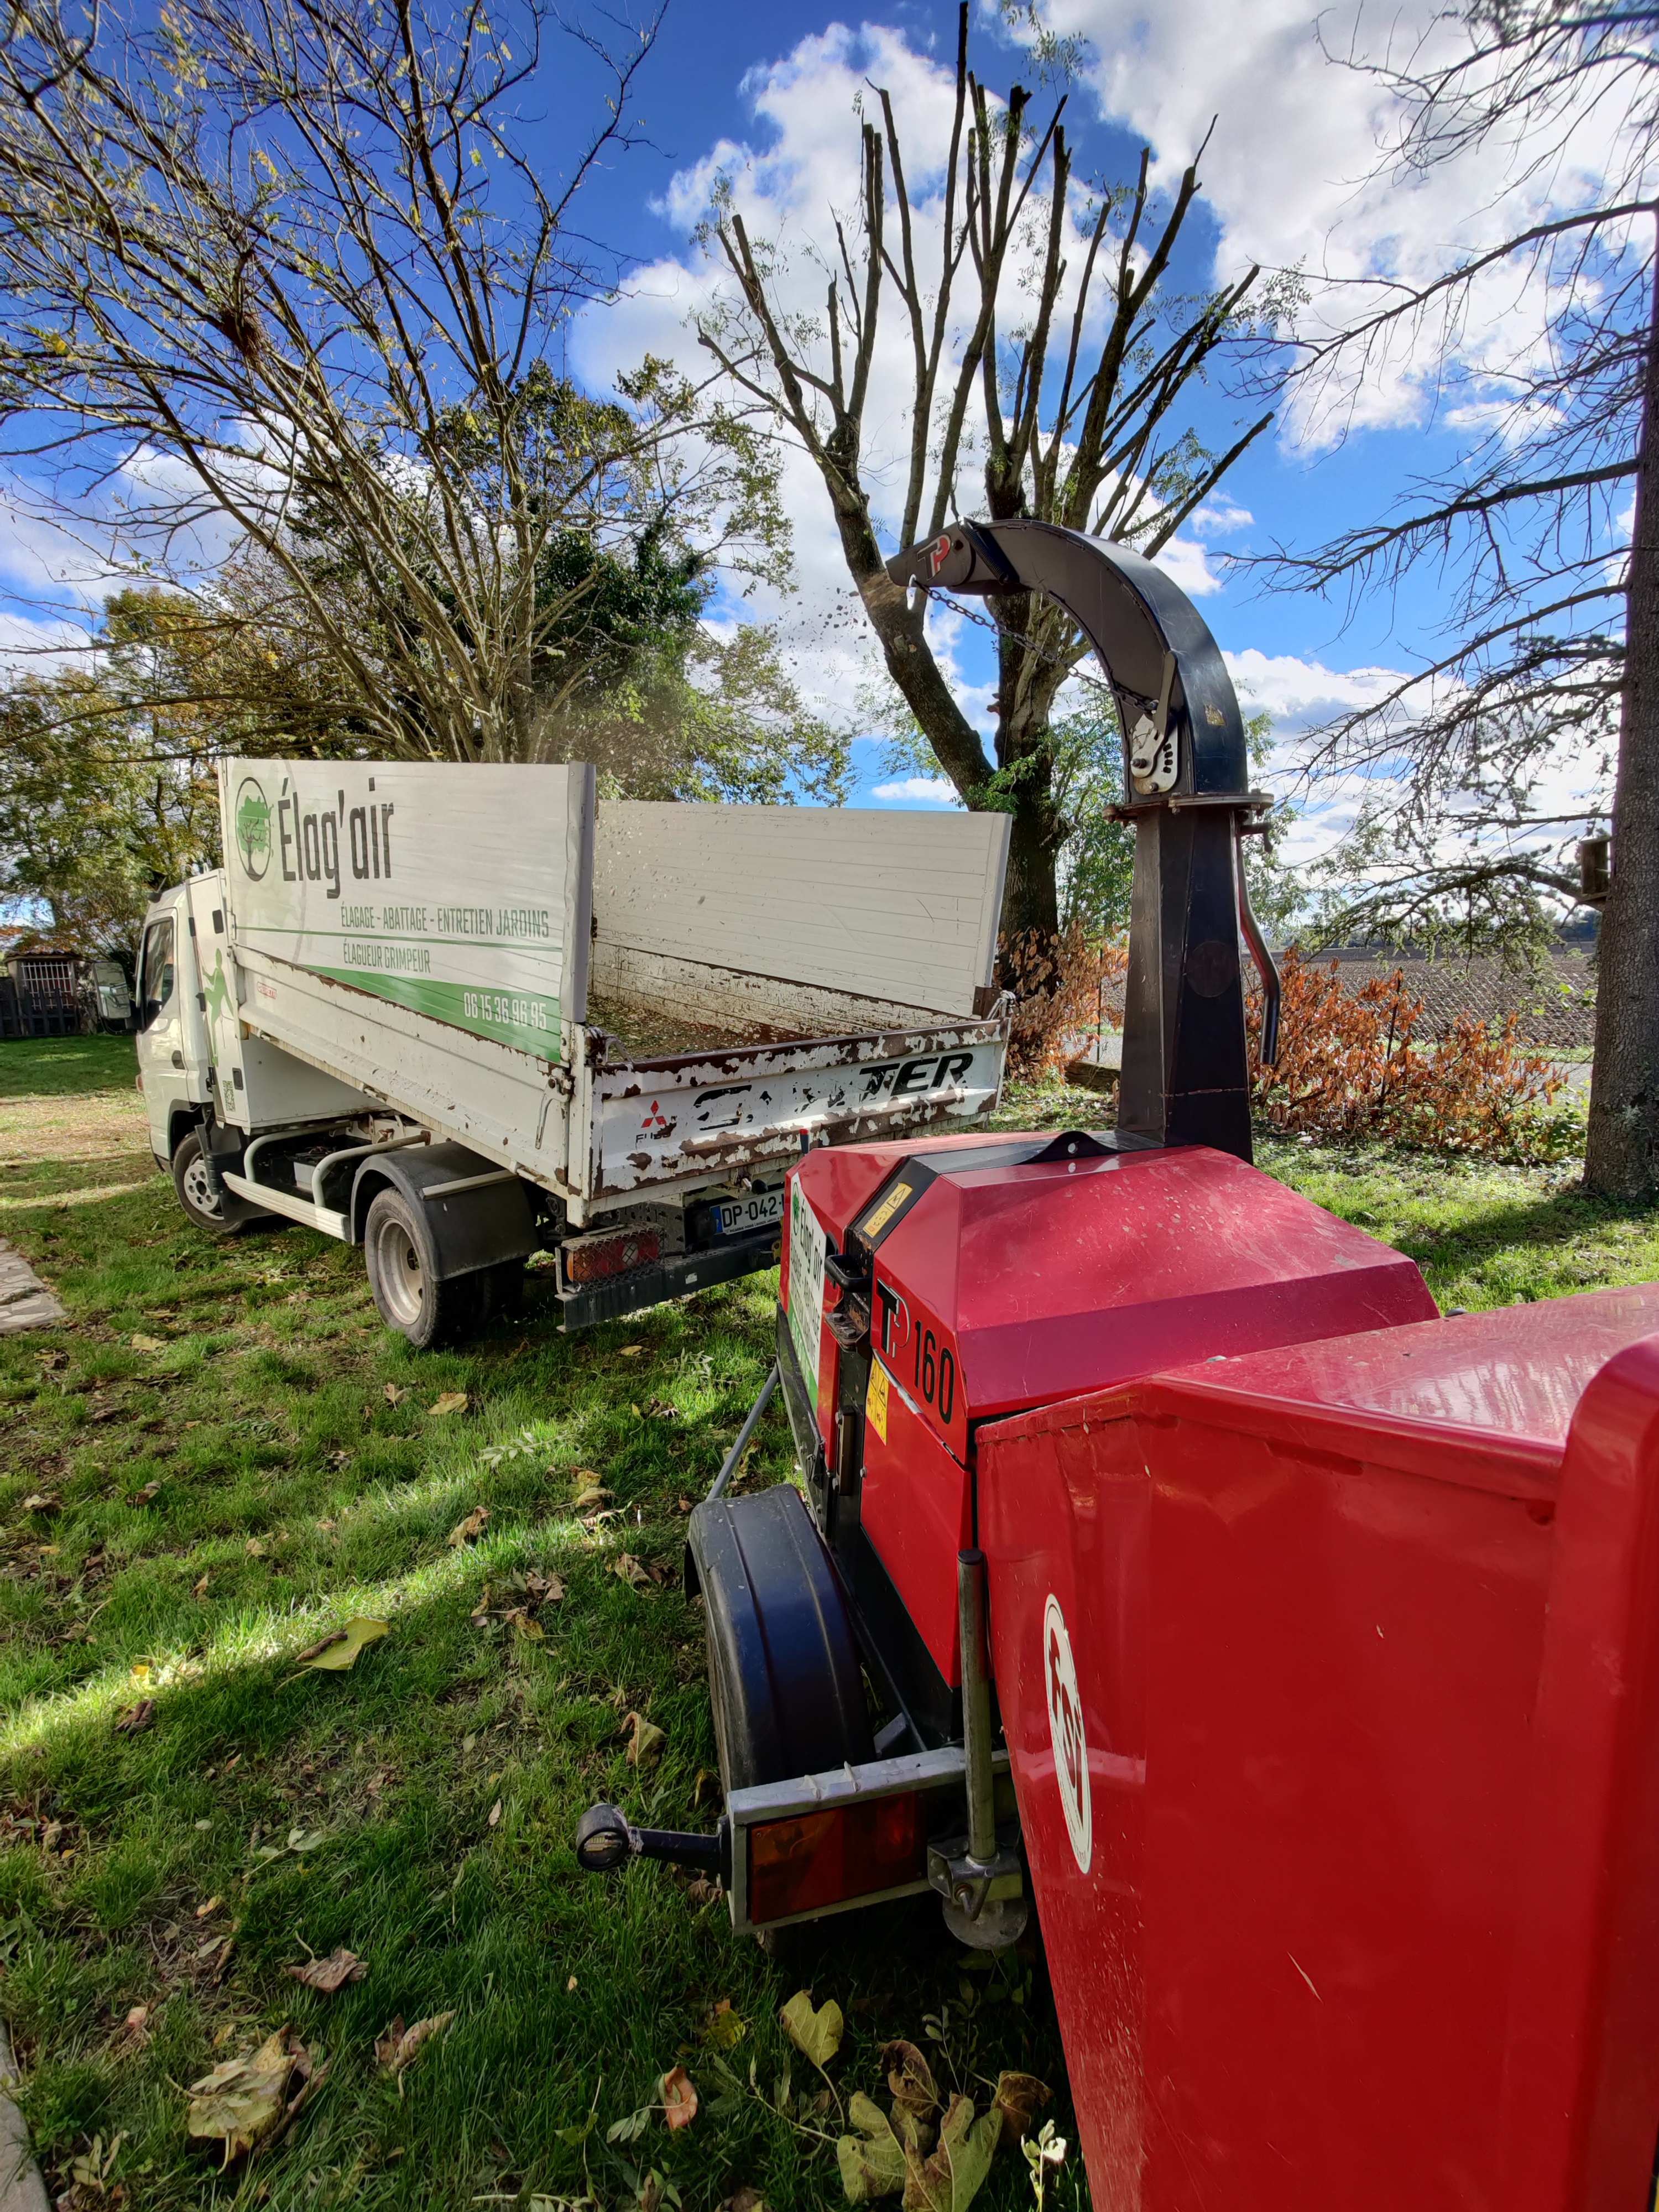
[(784, 1677), (223, 1214), (409, 1293)]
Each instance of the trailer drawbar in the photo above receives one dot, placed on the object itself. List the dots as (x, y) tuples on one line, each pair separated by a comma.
[(1164, 1562)]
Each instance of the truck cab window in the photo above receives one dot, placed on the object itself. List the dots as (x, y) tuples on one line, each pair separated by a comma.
[(155, 975)]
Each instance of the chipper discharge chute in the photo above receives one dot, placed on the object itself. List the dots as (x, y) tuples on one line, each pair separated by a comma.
[(1165, 1561)]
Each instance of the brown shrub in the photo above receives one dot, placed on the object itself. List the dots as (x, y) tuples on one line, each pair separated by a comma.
[(1062, 986), (1351, 1066)]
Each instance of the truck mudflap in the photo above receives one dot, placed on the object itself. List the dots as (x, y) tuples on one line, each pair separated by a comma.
[(724, 1112)]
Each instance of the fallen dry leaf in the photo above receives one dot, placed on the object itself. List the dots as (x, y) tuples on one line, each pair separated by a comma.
[(211, 1906), (632, 1351), (42, 1501), (135, 1717), (679, 2099), (254, 1548), (241, 2102), (143, 1496), (702, 1890), (950, 2179), (646, 1742), (1019, 2098), (494, 1820), (450, 1401), (334, 1653), (199, 1588), (722, 2028), (526, 1626), (397, 2045), (468, 1530), (589, 1490), (743, 2200), (910, 2079), (395, 1394), (630, 1569), (148, 1343), (329, 1974), (871, 2161), (818, 2034)]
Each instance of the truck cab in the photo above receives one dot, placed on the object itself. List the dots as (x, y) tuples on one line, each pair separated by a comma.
[(175, 1070)]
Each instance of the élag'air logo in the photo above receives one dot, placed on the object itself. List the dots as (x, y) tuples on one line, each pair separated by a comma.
[(252, 828)]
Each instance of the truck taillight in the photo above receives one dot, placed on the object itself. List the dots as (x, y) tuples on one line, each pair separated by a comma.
[(598, 1256), (819, 1859)]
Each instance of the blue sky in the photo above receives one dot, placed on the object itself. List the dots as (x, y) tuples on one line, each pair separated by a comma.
[(764, 97), (767, 102)]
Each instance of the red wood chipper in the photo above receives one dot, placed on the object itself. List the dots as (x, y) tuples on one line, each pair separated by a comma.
[(1167, 1562)]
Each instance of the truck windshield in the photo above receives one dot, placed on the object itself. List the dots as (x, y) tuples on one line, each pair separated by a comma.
[(156, 980)]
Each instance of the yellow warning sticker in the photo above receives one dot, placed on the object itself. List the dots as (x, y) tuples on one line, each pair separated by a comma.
[(883, 1212), (875, 1400)]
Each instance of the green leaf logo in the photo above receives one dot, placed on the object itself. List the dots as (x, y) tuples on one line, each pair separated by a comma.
[(254, 827)]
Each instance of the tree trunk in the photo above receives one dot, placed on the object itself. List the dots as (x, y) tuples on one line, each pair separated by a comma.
[(1030, 672), (1031, 903), (1621, 1156)]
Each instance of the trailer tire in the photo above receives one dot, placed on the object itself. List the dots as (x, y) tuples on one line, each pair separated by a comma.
[(409, 1293), (224, 1216), (783, 1676)]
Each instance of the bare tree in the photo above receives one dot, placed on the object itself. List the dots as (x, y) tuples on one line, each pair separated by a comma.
[(1047, 356), (280, 270), (1551, 646)]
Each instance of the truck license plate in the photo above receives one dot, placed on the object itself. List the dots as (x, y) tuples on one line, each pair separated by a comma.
[(734, 1217)]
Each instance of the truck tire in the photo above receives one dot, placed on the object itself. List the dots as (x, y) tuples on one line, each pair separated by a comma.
[(409, 1293), (223, 1216)]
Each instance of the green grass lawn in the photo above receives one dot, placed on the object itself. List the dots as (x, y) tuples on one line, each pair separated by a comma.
[(57, 1068), (235, 1457)]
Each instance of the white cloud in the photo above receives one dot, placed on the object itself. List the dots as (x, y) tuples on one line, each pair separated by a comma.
[(1302, 692), (1298, 173), (918, 791), (37, 646)]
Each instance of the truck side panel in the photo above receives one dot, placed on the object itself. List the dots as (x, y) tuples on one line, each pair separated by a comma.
[(254, 1085), (900, 908), (500, 1102), (465, 896), (726, 1112)]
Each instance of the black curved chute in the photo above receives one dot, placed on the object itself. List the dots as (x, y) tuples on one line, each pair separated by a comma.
[(1186, 770)]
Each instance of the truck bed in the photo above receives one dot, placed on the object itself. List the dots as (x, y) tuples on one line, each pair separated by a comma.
[(636, 1030)]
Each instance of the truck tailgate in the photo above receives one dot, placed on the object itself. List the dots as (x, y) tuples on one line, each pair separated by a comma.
[(660, 1120)]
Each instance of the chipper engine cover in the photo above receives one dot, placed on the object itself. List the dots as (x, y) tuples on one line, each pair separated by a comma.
[(1164, 1560), (972, 1279)]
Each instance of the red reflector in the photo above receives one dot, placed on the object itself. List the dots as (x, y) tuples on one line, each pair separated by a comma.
[(822, 1858), (610, 1256)]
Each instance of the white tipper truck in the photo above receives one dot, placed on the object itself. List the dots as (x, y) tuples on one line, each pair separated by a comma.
[(462, 1014)]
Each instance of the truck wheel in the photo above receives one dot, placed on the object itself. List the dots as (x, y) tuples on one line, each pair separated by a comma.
[(402, 1275), (221, 1216)]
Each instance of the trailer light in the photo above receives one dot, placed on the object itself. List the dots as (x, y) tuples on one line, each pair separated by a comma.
[(587, 1262), (819, 1859)]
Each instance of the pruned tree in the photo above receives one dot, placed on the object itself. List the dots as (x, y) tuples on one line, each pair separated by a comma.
[(280, 270), (1551, 647), (1043, 364)]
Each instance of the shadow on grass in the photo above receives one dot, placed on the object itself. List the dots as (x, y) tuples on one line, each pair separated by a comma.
[(1558, 1218), (419, 1811), (56, 1067)]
